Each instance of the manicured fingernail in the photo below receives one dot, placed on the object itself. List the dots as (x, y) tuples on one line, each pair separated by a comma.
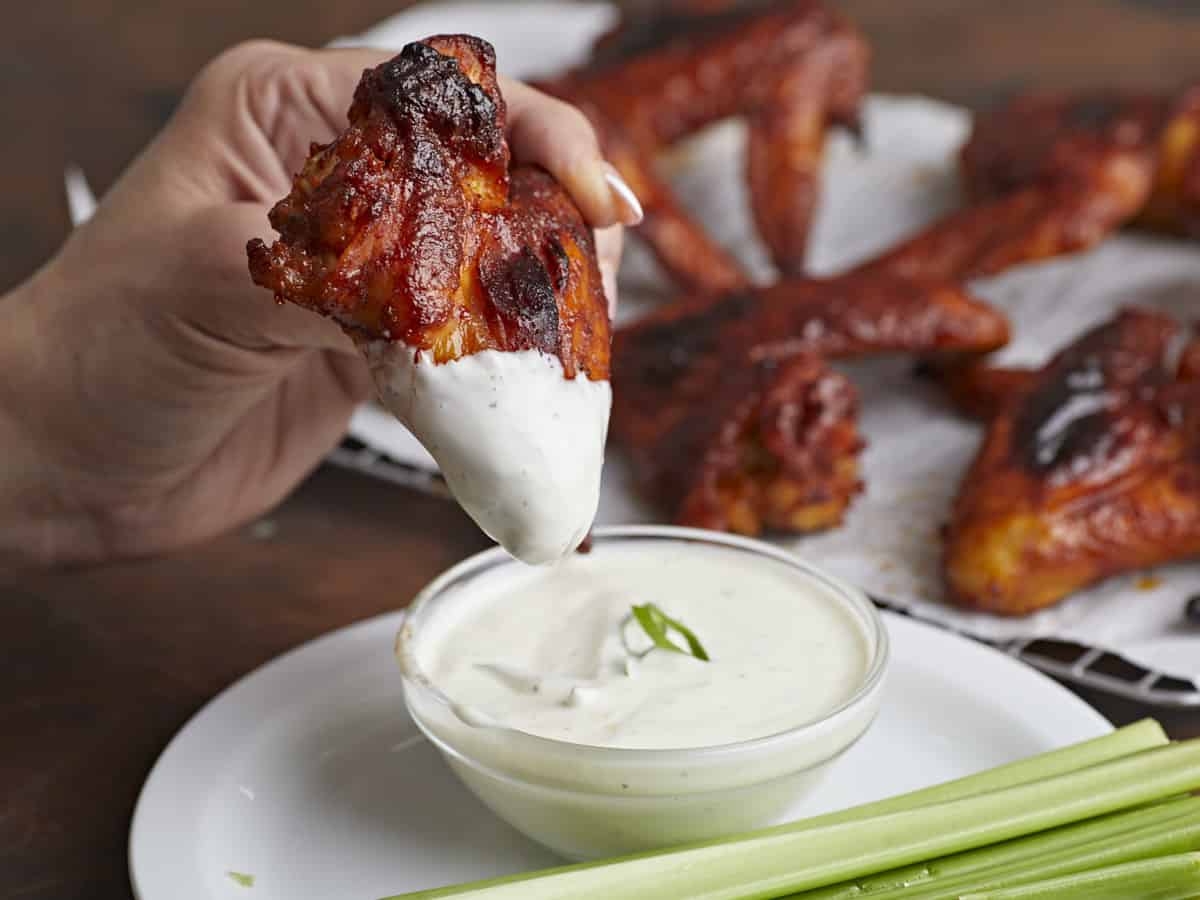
[(629, 208), (608, 278)]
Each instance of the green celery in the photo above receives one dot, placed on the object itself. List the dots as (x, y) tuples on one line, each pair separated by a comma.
[(779, 861), (1142, 735), (1165, 878), (1159, 830)]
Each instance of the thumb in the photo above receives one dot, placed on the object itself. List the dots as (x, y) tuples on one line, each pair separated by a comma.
[(258, 107), (234, 308)]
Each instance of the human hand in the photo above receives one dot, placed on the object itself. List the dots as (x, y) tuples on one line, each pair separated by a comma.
[(152, 395)]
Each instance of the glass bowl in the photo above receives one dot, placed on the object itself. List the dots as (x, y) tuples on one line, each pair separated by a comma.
[(585, 801)]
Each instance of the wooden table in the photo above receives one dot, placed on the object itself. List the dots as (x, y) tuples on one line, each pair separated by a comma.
[(102, 666)]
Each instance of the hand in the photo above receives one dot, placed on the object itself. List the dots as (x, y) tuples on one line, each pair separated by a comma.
[(152, 395)]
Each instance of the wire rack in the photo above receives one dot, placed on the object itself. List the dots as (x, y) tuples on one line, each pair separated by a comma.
[(1071, 662), (1082, 665)]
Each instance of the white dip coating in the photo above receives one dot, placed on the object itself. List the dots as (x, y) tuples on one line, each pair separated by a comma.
[(520, 445), (541, 650)]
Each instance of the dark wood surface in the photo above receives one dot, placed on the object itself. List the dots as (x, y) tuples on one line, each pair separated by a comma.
[(100, 667)]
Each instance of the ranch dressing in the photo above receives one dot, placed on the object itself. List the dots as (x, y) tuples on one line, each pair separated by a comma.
[(519, 444), (552, 652)]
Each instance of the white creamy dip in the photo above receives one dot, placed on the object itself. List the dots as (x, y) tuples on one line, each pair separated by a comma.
[(520, 445), (541, 650)]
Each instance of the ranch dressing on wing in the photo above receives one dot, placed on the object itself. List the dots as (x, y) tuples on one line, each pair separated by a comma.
[(519, 444), (542, 650)]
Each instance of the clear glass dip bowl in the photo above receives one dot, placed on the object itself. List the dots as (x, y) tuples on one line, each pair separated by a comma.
[(584, 801)]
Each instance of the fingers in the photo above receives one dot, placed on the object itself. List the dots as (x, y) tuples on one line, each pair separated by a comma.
[(264, 103), (558, 137), (608, 254), (233, 308)]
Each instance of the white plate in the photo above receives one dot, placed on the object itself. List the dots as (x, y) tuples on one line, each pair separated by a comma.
[(309, 775)]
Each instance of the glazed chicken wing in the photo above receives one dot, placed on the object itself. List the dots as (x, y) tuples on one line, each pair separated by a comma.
[(791, 69), (751, 445), (730, 415), (1138, 153), (457, 275), (1051, 175), (1090, 467), (411, 228)]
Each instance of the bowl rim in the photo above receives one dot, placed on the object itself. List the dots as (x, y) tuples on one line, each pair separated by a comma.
[(482, 562)]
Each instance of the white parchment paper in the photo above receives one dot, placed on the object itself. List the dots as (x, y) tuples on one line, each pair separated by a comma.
[(918, 448)]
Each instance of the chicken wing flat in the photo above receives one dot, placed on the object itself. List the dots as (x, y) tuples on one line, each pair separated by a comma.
[(729, 413), (753, 445), (471, 287), (1028, 225), (410, 227), (1102, 142), (1090, 469), (791, 69), (1051, 175)]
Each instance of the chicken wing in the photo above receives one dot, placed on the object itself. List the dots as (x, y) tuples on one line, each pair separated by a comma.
[(411, 228), (460, 278), (792, 69), (1075, 139), (756, 444), (1050, 175), (732, 419), (1089, 469)]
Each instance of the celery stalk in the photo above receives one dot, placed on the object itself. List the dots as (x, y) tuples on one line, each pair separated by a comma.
[(1165, 878), (1160, 830), (1142, 735), (781, 861)]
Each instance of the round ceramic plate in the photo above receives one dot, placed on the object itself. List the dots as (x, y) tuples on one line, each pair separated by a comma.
[(307, 779)]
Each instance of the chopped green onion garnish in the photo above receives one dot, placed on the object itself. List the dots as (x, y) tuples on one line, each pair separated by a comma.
[(658, 625), (246, 881)]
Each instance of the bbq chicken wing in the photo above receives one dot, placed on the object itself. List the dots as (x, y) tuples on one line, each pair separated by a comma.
[(729, 413), (753, 445), (1090, 467), (411, 227), (791, 69), (1135, 158), (458, 275), (1051, 175)]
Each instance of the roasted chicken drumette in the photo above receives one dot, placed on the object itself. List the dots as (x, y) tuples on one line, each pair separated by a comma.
[(1090, 467)]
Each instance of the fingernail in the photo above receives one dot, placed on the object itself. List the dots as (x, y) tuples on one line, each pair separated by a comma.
[(608, 279), (629, 208)]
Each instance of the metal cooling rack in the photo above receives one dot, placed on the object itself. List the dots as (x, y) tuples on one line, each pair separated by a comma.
[(353, 454), (1082, 665), (1072, 662)]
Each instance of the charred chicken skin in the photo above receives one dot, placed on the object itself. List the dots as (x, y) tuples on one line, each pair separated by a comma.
[(791, 69), (733, 420), (1090, 467), (412, 227)]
